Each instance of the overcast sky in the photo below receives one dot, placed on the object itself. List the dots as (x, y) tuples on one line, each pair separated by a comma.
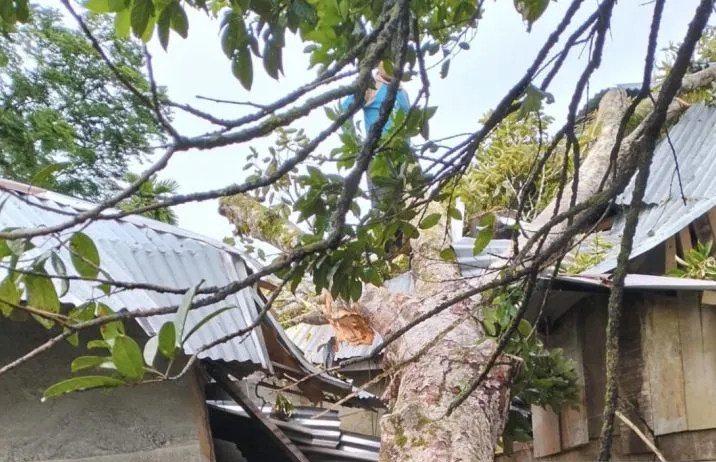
[(478, 79)]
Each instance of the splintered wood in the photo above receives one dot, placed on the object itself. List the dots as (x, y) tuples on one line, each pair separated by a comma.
[(347, 322)]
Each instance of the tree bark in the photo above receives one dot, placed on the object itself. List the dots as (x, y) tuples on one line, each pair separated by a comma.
[(416, 428)]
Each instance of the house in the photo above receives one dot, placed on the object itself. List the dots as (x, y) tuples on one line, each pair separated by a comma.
[(668, 352), (163, 421)]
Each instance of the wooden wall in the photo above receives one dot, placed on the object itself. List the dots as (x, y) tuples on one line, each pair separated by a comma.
[(667, 375)]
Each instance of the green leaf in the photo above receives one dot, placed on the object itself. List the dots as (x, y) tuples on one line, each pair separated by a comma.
[(105, 6), (524, 328), (84, 254), (122, 24), (167, 339), (22, 10), (531, 10), (445, 69), (183, 312), (142, 12), (448, 254), (454, 213), (272, 61), (60, 270), (94, 344), (150, 350), (41, 295), (111, 329), (40, 178), (180, 22), (127, 356), (81, 383), (163, 25), (483, 238), (10, 294), (86, 362), (410, 231), (243, 68), (206, 319), (429, 221)]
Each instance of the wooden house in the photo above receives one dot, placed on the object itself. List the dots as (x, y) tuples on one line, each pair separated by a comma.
[(667, 372)]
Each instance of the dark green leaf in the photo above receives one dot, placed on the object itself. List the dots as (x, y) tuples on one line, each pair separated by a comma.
[(40, 178), (82, 383), (86, 362), (464, 45), (180, 22), (183, 312), (142, 12), (272, 61), (448, 254), (127, 356), (356, 290), (10, 294), (84, 255), (204, 321), (429, 221), (243, 68), (304, 11), (445, 69), (41, 295), (168, 340), (454, 213), (484, 236), (410, 231), (22, 10), (163, 25)]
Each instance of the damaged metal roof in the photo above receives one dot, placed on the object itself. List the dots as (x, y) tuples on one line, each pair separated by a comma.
[(319, 438), (664, 212), (310, 339), (140, 250)]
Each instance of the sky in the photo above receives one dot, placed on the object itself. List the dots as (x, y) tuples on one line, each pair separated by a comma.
[(478, 79)]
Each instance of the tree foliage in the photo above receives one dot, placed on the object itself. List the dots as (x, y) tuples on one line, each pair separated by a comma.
[(59, 102)]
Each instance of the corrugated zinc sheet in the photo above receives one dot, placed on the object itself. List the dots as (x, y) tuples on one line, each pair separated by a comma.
[(319, 438), (309, 339), (491, 258), (642, 282), (140, 250), (665, 214)]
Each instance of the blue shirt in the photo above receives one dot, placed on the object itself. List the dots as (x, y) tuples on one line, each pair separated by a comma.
[(370, 111)]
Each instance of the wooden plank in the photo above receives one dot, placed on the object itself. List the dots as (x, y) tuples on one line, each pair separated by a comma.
[(670, 254), (708, 297), (201, 417), (664, 365), (593, 328), (685, 241), (545, 432), (711, 216), (270, 428), (573, 423), (699, 414)]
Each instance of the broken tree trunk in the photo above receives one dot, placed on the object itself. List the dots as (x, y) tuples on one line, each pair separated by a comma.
[(416, 428)]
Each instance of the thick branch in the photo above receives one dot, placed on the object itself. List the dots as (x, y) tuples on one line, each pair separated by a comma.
[(250, 218)]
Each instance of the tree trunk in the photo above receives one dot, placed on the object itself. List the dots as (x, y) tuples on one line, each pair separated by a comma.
[(416, 428)]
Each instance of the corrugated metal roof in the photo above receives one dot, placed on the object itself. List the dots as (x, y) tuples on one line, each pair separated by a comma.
[(492, 257), (140, 250), (664, 214), (319, 438), (642, 282), (309, 338)]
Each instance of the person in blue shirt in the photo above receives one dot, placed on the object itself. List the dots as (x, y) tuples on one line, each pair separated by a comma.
[(374, 99)]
